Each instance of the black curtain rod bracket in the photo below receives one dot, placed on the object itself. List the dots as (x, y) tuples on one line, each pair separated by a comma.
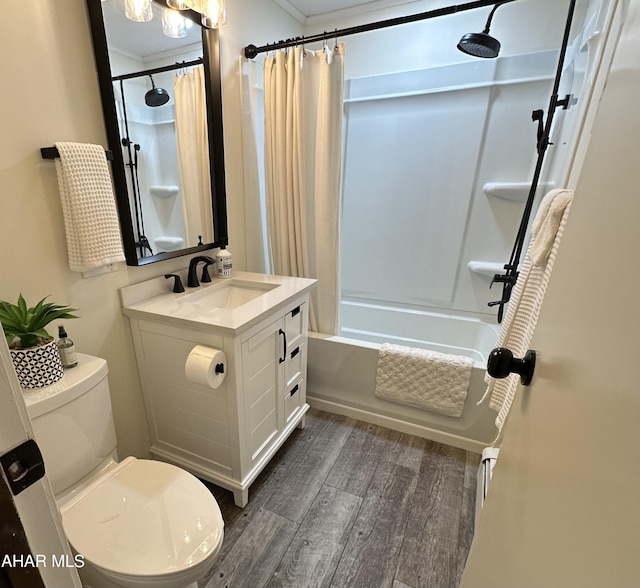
[(251, 51), (53, 153)]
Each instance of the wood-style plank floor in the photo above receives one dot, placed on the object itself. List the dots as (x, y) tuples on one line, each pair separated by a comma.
[(346, 503)]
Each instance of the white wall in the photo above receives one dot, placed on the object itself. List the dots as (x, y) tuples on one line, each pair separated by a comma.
[(521, 27), (50, 93)]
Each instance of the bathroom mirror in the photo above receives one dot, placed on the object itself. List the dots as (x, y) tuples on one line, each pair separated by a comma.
[(162, 105)]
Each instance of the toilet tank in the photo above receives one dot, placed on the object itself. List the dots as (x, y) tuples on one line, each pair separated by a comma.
[(73, 422)]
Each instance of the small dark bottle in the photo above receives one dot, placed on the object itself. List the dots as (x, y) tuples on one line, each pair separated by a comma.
[(67, 349)]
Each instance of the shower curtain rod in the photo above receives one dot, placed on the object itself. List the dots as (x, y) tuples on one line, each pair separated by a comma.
[(155, 70), (250, 51)]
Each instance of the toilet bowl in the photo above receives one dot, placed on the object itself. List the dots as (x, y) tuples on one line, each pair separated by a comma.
[(136, 523)]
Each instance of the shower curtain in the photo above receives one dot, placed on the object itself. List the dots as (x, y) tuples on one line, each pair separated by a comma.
[(193, 155), (303, 95)]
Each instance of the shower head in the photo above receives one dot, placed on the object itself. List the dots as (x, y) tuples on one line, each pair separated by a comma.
[(481, 44), (156, 96)]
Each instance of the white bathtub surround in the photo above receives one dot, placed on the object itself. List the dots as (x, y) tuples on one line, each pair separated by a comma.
[(424, 379), (528, 293), (166, 243), (88, 206), (303, 96)]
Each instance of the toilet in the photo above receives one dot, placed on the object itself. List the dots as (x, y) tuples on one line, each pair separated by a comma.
[(138, 522)]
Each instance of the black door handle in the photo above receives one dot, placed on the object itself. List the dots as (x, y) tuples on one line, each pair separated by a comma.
[(501, 363), (23, 466)]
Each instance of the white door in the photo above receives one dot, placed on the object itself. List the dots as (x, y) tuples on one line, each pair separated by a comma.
[(563, 509), (35, 505)]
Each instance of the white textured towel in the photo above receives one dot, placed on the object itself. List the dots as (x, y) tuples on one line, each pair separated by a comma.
[(90, 216), (523, 309), (424, 379)]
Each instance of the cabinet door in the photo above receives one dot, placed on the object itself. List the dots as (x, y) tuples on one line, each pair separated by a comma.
[(261, 355)]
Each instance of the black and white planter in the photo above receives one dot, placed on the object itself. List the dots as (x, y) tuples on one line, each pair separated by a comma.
[(37, 367)]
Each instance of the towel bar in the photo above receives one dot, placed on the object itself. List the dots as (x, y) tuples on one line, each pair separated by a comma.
[(52, 153)]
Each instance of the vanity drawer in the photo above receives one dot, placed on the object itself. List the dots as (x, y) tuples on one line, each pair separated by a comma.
[(295, 326), (295, 363), (295, 398)]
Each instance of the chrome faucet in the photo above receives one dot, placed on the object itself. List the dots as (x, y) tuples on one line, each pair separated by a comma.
[(192, 276)]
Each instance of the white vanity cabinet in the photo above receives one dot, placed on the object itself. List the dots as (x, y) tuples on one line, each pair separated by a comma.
[(227, 434)]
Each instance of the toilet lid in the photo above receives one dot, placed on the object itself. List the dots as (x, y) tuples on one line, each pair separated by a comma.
[(144, 518)]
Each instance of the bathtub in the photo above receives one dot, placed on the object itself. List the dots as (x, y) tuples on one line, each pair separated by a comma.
[(342, 371)]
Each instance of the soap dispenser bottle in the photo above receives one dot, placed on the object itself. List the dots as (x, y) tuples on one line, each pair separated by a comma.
[(67, 349), (224, 263)]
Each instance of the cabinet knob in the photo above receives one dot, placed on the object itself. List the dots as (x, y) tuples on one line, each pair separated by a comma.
[(501, 363)]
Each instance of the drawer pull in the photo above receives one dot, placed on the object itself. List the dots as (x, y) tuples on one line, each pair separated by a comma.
[(294, 389), (295, 311), (295, 352)]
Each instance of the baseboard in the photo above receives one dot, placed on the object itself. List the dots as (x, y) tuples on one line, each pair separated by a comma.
[(396, 424)]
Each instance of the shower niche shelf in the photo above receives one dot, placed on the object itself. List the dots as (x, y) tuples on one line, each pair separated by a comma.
[(486, 268), (164, 191), (513, 191)]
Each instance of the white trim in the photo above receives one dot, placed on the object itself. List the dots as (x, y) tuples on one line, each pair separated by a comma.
[(36, 505), (364, 8), (292, 10)]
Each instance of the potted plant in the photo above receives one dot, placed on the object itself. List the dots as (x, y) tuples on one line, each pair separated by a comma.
[(33, 351)]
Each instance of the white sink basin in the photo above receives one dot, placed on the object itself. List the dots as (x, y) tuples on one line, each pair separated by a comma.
[(231, 305), (228, 295)]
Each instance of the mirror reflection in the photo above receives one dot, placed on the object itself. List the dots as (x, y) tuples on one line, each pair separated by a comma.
[(157, 71)]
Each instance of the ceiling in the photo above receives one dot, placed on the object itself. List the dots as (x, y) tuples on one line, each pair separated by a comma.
[(142, 39), (147, 38), (305, 9)]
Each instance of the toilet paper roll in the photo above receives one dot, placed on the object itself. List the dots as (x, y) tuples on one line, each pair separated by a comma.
[(206, 366)]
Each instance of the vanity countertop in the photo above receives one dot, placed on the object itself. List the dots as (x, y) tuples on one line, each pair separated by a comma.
[(154, 300)]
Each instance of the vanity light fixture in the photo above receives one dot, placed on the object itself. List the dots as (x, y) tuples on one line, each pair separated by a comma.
[(214, 12), (178, 4), (174, 25), (138, 10)]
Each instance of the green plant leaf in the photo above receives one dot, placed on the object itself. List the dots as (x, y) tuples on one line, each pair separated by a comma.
[(27, 324)]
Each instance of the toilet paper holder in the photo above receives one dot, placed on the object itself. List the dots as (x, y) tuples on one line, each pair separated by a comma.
[(205, 366)]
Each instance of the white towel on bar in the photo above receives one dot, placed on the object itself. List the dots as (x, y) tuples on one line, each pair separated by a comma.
[(424, 379), (88, 206), (522, 312)]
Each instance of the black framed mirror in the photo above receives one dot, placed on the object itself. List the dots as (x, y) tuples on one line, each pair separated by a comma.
[(168, 175)]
